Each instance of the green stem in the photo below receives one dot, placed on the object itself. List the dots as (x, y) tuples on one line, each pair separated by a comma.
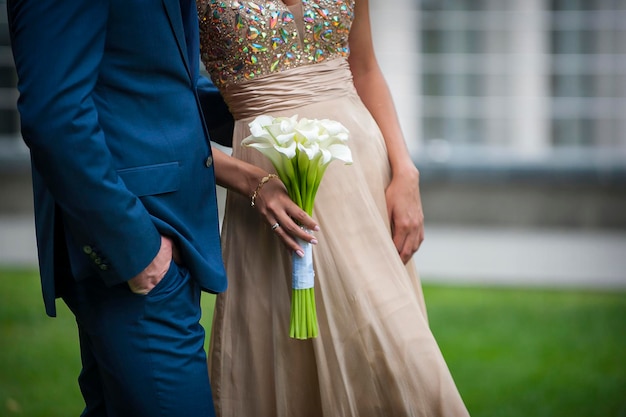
[(303, 321)]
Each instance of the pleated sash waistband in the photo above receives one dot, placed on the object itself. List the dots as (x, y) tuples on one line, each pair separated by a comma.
[(290, 88)]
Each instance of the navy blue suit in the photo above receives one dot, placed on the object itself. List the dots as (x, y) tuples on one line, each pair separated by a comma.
[(116, 118)]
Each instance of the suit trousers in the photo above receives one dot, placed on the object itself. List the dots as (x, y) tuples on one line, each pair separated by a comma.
[(142, 355)]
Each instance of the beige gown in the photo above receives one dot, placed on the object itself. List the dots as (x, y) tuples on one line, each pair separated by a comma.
[(375, 354)]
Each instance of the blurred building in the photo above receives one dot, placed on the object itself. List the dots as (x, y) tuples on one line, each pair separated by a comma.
[(15, 192), (514, 110)]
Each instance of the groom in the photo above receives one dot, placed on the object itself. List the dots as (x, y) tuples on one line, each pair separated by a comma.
[(125, 208)]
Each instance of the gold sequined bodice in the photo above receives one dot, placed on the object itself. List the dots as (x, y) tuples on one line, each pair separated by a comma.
[(246, 40)]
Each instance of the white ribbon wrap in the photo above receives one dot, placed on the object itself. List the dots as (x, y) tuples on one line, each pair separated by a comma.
[(303, 275)]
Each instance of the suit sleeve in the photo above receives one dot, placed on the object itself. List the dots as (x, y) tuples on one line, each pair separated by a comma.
[(58, 46), (218, 118)]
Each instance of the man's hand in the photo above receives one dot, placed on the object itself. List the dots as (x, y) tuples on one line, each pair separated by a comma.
[(154, 273)]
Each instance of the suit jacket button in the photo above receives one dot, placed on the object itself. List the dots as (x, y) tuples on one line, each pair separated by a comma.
[(104, 267), (87, 249), (208, 162)]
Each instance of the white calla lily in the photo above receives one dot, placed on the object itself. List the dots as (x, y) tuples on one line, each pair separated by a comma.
[(341, 152), (335, 129), (310, 151)]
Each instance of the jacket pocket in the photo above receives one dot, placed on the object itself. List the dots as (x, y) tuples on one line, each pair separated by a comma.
[(152, 179)]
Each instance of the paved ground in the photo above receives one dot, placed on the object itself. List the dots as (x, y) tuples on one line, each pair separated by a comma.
[(546, 258)]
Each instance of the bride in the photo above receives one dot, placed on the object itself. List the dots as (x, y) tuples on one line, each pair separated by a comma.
[(375, 354)]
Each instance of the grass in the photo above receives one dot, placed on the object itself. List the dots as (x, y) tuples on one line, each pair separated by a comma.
[(512, 352), (533, 353)]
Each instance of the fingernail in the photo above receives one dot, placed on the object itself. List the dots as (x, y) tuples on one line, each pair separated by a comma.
[(316, 228), (300, 253), (313, 241)]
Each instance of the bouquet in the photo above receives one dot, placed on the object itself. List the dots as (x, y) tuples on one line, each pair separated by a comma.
[(300, 151)]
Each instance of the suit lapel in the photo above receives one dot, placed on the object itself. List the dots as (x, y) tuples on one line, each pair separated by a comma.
[(172, 7)]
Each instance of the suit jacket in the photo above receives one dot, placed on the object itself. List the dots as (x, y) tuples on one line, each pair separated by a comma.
[(111, 106)]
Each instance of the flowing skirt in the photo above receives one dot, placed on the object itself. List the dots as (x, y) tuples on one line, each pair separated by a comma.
[(375, 354)]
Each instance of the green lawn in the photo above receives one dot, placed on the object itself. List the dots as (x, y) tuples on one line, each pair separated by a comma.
[(531, 353), (512, 352)]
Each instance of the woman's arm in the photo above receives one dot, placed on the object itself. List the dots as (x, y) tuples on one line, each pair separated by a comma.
[(272, 200), (403, 196)]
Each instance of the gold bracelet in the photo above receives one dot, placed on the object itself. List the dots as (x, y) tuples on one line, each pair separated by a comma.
[(264, 180)]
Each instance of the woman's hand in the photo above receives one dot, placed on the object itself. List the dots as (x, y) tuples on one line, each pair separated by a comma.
[(270, 198), (287, 220), (405, 213)]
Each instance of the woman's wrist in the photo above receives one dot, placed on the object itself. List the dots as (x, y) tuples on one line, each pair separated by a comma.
[(259, 186), (406, 169)]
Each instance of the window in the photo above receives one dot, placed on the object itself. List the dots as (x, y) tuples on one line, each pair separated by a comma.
[(526, 77), (12, 149)]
